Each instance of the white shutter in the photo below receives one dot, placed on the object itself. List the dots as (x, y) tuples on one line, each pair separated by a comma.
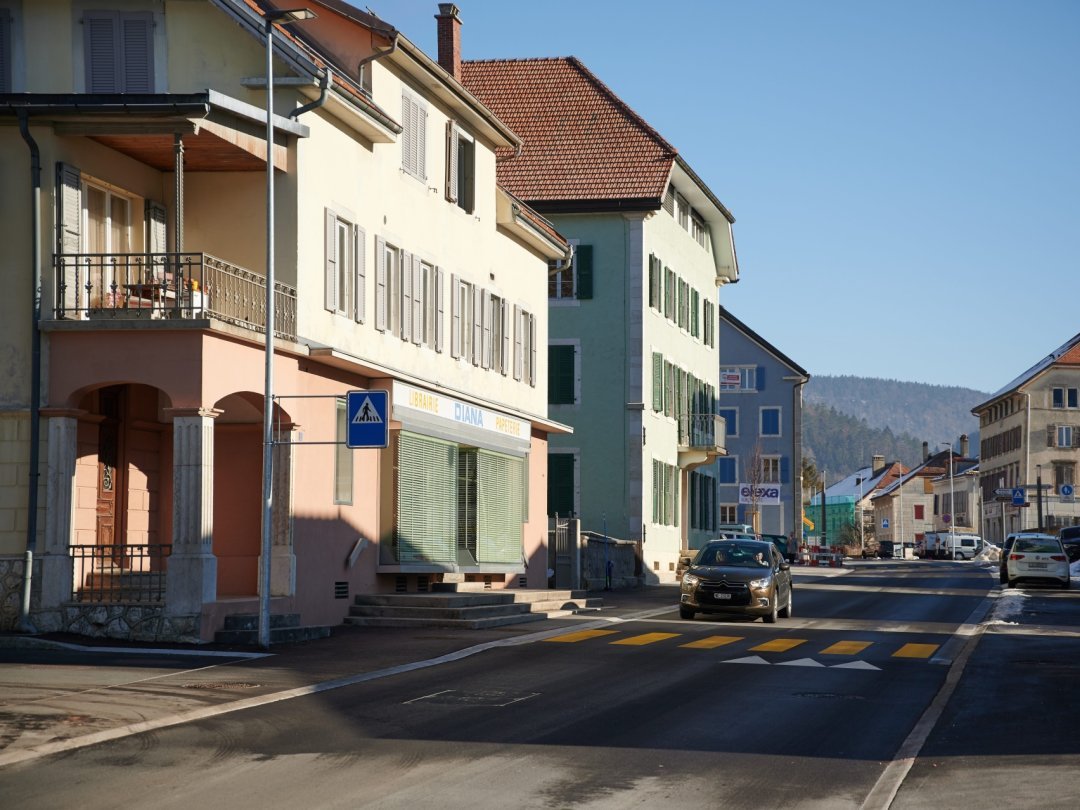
[(360, 274), (69, 230), (477, 326), (451, 161), (532, 349), (440, 305), (380, 284), (101, 47), (418, 302), (504, 313), (330, 292), (486, 317), (408, 135), (421, 142), (404, 276), (455, 318), (137, 33), (517, 342)]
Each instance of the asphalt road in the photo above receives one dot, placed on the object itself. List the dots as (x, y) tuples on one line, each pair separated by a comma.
[(893, 685)]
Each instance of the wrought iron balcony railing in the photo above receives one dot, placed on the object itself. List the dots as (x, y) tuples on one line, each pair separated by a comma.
[(704, 431), (150, 286)]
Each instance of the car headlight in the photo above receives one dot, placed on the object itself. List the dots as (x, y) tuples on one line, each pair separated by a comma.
[(689, 580), (759, 584)]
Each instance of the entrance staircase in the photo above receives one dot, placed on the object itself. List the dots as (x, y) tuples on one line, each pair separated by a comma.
[(466, 607)]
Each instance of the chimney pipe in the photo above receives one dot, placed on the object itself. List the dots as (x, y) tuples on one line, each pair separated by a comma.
[(449, 39), (925, 450), (964, 445), (878, 464)]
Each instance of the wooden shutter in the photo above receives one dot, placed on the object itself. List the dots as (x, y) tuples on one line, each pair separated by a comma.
[(455, 318), (1051, 435), (532, 349), (487, 324), (102, 51), (5, 51), (404, 280), (505, 315), (69, 229), (330, 295), (517, 342), (477, 326), (408, 135), (156, 217), (137, 36), (583, 265), (657, 382), (421, 142), (418, 302), (440, 306), (451, 161), (380, 284), (360, 273)]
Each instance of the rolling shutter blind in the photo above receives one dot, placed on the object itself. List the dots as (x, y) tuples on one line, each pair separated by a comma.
[(156, 215), (380, 284), (583, 260), (500, 512), (330, 292), (360, 259), (426, 523)]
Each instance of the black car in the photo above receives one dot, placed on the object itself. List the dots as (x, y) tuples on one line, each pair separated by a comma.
[(1070, 539), (748, 577)]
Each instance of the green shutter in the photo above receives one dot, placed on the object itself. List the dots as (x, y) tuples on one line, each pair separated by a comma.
[(426, 525), (499, 507), (583, 265), (657, 382), (560, 375), (560, 484)]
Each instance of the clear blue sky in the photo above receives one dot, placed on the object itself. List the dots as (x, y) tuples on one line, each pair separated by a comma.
[(905, 176)]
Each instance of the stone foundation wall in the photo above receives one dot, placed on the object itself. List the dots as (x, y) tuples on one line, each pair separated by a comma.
[(122, 622)]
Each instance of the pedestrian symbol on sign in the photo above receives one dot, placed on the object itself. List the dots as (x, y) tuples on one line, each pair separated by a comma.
[(366, 412)]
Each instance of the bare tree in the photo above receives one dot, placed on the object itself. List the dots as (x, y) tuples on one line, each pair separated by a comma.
[(755, 477)]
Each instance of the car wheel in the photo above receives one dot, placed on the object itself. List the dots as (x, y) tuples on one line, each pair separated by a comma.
[(770, 617), (685, 613), (785, 612)]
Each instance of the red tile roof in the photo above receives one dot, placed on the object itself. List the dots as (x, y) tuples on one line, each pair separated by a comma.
[(581, 141)]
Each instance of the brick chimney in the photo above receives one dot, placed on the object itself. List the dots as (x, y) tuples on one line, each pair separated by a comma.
[(964, 447), (449, 39)]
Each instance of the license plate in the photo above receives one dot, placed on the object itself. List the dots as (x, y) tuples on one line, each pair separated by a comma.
[(721, 596), (1036, 565)]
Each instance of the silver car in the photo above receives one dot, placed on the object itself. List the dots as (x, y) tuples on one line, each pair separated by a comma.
[(747, 577)]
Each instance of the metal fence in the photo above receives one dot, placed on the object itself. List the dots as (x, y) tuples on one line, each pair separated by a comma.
[(120, 574), (702, 430), (150, 286)]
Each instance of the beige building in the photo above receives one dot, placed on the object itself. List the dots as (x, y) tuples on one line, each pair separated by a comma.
[(1030, 434), (904, 509), (133, 150)]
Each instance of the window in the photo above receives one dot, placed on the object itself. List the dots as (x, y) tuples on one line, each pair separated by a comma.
[(738, 379), (388, 280), (1063, 434), (683, 313), (731, 417), (695, 307), (413, 136), (727, 471), (343, 457), (669, 200), (524, 346), (656, 279), (119, 51), (729, 513), (345, 267), (497, 337), (702, 502), (461, 308), (709, 336), (665, 494), (1063, 474), (770, 422), (697, 227), (562, 372), (920, 510), (575, 281), (770, 470), (669, 293), (1065, 397), (460, 167), (6, 43), (682, 211)]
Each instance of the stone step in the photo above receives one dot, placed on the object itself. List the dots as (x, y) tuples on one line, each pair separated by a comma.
[(440, 612), (445, 600), (250, 621), (278, 635), (468, 624)]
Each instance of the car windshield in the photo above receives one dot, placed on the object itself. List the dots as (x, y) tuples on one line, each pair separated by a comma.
[(1036, 546), (736, 555)]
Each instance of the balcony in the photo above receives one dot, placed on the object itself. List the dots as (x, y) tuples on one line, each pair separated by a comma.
[(702, 437), (157, 286)]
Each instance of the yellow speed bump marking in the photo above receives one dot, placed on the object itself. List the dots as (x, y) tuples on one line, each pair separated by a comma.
[(779, 645), (581, 635), (646, 638), (916, 651), (712, 642), (846, 648)]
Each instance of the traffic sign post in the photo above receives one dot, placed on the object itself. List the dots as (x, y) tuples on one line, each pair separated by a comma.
[(1067, 493), (1018, 498), (368, 420)]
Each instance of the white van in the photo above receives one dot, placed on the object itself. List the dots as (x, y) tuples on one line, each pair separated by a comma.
[(954, 546)]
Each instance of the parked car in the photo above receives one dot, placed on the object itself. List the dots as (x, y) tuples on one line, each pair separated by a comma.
[(781, 543), (1038, 558), (1070, 539), (747, 577), (1005, 548)]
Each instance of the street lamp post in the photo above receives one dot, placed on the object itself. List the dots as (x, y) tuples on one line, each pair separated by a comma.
[(952, 502), (1038, 494), (272, 16)]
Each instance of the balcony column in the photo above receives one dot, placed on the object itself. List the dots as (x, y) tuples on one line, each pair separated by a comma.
[(283, 555), (192, 574), (57, 566), (178, 193)]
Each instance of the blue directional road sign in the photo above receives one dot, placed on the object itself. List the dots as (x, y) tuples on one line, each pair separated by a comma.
[(366, 412), (1067, 492), (884, 523), (1018, 498)]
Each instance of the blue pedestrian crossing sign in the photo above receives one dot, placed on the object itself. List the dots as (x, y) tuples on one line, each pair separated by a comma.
[(1018, 498), (366, 412)]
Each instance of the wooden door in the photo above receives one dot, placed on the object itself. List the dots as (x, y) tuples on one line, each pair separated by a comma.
[(110, 472)]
